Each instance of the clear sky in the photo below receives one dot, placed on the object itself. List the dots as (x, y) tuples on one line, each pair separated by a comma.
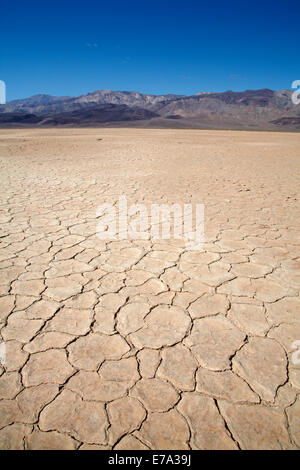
[(73, 47)]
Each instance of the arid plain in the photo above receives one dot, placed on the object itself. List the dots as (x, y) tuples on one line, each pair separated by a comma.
[(143, 344)]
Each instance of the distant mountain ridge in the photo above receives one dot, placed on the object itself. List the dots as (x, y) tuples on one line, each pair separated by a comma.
[(47, 104), (250, 109)]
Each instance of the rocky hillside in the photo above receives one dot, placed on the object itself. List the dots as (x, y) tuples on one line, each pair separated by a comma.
[(46, 104), (251, 109)]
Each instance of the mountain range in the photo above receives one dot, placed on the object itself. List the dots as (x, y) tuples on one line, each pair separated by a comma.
[(251, 109)]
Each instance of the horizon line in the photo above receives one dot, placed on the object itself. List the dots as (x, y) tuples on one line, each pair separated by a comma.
[(141, 93)]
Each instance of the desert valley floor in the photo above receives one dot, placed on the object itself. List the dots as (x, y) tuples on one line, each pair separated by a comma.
[(144, 344)]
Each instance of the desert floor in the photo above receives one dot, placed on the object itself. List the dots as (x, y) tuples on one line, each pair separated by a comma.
[(138, 344)]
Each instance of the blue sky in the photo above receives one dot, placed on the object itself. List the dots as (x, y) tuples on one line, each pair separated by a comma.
[(74, 47)]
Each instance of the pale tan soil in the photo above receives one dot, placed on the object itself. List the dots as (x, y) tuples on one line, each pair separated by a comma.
[(143, 344)]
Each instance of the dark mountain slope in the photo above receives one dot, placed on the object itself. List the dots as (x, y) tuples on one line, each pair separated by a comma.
[(250, 109), (101, 114), (46, 104), (18, 118)]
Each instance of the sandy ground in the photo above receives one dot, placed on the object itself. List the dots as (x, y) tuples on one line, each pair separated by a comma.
[(138, 344)]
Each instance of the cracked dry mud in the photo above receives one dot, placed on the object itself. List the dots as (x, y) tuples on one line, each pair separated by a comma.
[(142, 344)]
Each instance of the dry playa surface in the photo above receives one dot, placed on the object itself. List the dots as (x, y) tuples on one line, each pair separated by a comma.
[(143, 344)]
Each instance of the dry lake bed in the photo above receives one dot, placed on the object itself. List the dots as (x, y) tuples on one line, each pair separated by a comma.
[(128, 343)]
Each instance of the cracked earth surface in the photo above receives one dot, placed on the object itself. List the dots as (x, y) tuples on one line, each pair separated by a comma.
[(143, 344)]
